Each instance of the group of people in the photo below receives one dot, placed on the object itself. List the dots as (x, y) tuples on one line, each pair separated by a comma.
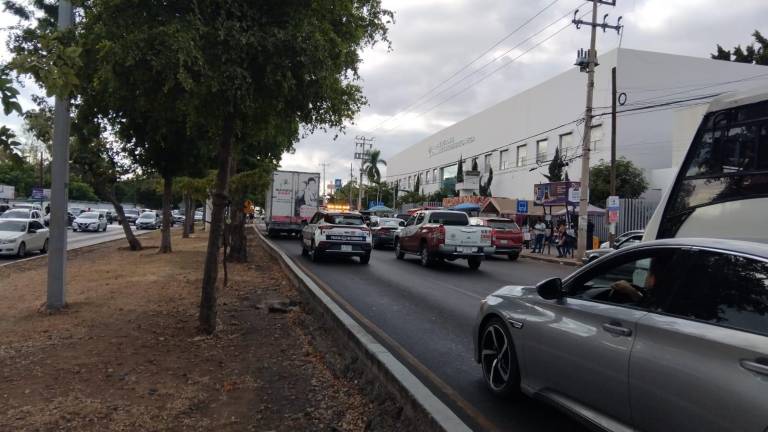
[(545, 233)]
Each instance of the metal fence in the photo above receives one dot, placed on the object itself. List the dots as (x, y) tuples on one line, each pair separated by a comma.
[(634, 214)]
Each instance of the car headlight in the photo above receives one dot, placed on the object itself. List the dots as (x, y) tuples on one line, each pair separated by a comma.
[(10, 241)]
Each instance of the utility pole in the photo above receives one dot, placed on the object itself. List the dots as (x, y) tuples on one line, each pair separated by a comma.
[(363, 147), (351, 179), (324, 164), (42, 196), (612, 231), (591, 63), (57, 255)]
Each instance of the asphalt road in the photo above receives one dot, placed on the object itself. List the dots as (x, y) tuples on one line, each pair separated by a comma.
[(81, 239), (427, 314)]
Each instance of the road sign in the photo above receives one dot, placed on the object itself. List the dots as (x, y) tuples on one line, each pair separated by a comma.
[(613, 202), (337, 183), (38, 193), (613, 216), (522, 206)]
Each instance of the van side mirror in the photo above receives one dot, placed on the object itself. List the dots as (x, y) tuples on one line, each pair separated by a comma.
[(550, 289)]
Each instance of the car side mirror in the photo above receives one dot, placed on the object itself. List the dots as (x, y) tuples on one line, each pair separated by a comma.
[(402, 224), (32, 231), (550, 289)]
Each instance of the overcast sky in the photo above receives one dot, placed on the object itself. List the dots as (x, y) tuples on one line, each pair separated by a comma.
[(433, 39)]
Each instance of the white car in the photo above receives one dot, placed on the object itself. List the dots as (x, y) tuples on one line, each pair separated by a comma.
[(19, 236), (90, 221), (23, 213), (337, 234)]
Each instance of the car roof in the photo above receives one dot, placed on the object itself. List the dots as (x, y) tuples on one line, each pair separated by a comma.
[(735, 246), (16, 219)]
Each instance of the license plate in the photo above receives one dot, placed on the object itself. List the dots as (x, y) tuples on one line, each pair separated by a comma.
[(503, 242), (346, 248), (464, 249)]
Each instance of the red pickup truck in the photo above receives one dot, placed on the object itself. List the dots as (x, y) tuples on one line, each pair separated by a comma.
[(441, 234), (506, 236)]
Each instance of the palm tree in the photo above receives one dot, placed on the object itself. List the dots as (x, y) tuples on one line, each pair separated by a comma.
[(371, 166)]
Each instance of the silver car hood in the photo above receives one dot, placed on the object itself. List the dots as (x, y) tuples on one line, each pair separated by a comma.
[(515, 291), (86, 221), (10, 235)]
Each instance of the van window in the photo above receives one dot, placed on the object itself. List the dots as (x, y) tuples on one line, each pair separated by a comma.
[(727, 161)]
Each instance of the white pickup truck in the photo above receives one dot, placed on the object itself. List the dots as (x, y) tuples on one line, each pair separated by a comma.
[(444, 234)]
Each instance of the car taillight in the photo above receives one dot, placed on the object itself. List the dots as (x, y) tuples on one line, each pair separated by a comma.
[(440, 233), (493, 234)]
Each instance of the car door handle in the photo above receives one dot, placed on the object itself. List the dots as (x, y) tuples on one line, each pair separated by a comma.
[(758, 366), (617, 329)]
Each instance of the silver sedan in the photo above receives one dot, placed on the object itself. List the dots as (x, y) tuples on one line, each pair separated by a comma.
[(669, 335)]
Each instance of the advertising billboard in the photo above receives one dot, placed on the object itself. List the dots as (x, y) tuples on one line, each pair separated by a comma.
[(556, 193)]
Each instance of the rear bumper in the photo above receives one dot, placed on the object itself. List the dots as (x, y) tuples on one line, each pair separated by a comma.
[(508, 249), (451, 251), (335, 247), (384, 240), (283, 226)]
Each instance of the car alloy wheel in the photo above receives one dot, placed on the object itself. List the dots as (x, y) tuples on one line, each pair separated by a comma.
[(365, 259), (498, 359), (426, 260), (314, 253), (22, 250), (45, 247), (474, 262)]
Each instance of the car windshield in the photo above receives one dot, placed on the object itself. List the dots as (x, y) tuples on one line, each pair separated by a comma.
[(449, 218), (132, 212), (90, 215), (147, 216), (16, 214), (390, 222), (344, 219), (13, 226), (503, 224)]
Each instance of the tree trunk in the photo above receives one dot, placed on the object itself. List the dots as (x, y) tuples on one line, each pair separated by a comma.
[(165, 239), (191, 215), (238, 243), (208, 299), (205, 209), (185, 232), (133, 243)]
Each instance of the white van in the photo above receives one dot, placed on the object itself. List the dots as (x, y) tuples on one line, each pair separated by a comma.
[(721, 189)]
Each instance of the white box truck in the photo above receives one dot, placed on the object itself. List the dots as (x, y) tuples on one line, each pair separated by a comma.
[(292, 199)]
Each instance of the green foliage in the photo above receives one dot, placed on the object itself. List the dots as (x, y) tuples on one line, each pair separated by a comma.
[(371, 166), (755, 53), (474, 164), (417, 184), (8, 93), (80, 191), (460, 171), (630, 181), (556, 167), (485, 187), (19, 174)]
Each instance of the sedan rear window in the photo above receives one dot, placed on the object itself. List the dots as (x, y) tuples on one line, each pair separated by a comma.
[(449, 218), (16, 214), (344, 219), (503, 224), (89, 216), (13, 226)]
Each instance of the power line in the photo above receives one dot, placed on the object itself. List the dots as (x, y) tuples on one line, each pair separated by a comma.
[(466, 66)]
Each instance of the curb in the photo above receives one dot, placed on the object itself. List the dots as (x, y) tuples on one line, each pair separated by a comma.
[(379, 359), (545, 258)]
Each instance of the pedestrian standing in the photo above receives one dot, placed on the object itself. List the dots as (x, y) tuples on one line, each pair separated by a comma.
[(539, 232)]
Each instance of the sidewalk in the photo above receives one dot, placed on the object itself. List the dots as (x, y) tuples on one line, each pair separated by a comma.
[(550, 255)]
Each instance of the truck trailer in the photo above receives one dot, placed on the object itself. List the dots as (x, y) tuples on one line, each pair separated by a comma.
[(292, 199)]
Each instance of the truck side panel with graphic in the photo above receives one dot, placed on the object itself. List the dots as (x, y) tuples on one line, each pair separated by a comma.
[(292, 199)]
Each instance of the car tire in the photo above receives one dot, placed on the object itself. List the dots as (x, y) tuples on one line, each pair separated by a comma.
[(514, 256), (304, 251), (22, 250), (314, 254), (426, 259), (365, 259), (398, 253), (474, 262), (44, 249), (498, 359)]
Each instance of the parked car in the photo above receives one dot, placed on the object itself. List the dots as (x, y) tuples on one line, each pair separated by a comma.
[(19, 236), (24, 213), (443, 234), (383, 231), (630, 240), (506, 236), (70, 219), (336, 233), (654, 337), (149, 220), (198, 216), (620, 237), (177, 216), (76, 211), (90, 221)]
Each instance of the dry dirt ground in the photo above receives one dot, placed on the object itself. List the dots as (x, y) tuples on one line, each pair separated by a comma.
[(125, 354)]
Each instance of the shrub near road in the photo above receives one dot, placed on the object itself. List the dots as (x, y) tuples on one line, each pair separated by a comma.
[(125, 354)]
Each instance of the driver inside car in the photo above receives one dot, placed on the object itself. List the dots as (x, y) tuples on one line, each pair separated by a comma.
[(634, 293)]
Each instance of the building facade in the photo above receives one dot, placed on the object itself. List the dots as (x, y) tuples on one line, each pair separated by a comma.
[(662, 99)]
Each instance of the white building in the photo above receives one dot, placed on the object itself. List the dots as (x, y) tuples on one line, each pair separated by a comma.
[(665, 98)]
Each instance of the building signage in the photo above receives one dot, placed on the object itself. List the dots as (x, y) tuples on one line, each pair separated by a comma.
[(556, 193), (337, 183), (522, 207), (7, 192), (449, 144), (37, 193)]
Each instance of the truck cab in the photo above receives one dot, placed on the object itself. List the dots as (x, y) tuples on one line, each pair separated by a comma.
[(435, 235)]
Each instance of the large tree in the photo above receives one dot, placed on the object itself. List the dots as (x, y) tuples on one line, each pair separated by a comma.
[(630, 181), (371, 166), (556, 166), (754, 53)]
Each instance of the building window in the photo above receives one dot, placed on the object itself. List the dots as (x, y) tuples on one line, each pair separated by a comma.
[(449, 172), (487, 163), (504, 162), (566, 143), (434, 175), (522, 154), (541, 150), (596, 137)]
